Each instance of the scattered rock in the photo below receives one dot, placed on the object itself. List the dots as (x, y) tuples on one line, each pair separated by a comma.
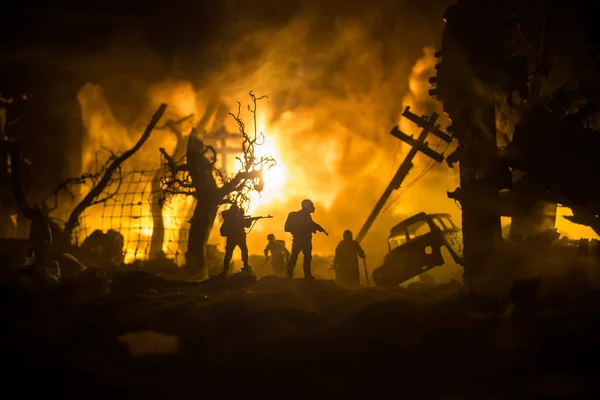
[(137, 282), (146, 343), (78, 290), (69, 265)]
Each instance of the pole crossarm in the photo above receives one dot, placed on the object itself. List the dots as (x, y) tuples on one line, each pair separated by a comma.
[(222, 136)]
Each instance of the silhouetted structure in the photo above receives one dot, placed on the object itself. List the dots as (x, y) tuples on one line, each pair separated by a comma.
[(301, 225), (345, 261), (528, 138), (279, 256)]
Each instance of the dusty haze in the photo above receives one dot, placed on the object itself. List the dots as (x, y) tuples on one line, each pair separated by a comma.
[(336, 87)]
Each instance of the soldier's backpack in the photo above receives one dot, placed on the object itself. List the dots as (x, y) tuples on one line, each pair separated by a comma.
[(223, 230), (291, 223), (226, 225)]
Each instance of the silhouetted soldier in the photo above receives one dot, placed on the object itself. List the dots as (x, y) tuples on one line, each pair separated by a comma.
[(4, 102), (280, 256), (234, 229), (345, 262), (301, 225), (40, 236)]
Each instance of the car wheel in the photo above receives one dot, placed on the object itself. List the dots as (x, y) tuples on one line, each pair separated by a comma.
[(379, 278)]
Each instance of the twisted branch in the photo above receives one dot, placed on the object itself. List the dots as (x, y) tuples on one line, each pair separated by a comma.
[(113, 165), (230, 189)]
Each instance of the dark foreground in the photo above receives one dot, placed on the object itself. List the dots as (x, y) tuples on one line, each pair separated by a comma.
[(277, 338)]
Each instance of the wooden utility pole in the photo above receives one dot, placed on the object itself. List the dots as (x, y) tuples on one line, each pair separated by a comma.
[(418, 145), (221, 136)]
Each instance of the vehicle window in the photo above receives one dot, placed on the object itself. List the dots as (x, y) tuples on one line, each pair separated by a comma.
[(448, 222), (397, 241), (418, 229), (439, 223)]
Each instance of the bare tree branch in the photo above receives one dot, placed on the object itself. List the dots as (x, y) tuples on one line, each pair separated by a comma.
[(110, 169), (228, 189), (238, 181), (249, 161)]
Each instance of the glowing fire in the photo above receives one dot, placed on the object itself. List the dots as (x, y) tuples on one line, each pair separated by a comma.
[(337, 152), (333, 98)]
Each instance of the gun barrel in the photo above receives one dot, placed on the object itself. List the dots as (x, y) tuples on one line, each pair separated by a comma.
[(257, 218)]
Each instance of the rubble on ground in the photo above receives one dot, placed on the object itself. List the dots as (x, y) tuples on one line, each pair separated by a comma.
[(133, 332)]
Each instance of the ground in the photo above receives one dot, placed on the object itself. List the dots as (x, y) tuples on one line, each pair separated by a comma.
[(153, 338)]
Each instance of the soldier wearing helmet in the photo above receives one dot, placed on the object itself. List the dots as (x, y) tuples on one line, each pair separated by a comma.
[(234, 229), (301, 225), (345, 262), (279, 255)]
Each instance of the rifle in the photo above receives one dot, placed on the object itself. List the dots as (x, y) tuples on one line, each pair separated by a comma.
[(321, 229), (256, 218)]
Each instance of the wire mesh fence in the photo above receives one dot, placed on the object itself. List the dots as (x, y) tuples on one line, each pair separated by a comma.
[(134, 210)]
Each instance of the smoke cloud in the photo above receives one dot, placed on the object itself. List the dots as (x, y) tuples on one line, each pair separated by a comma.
[(336, 85)]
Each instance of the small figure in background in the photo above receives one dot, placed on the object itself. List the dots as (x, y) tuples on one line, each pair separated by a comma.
[(40, 236), (345, 262), (279, 255)]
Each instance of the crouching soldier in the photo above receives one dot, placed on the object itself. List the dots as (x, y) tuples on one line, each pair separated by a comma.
[(279, 255), (345, 262)]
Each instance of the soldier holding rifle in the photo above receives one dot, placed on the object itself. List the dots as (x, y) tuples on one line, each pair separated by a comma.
[(234, 229)]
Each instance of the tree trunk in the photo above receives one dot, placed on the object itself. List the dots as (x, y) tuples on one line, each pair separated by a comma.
[(158, 224), (200, 169), (209, 197), (201, 225)]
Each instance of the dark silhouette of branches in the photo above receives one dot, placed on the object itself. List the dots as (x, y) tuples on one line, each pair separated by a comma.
[(196, 175), (101, 179), (235, 188), (239, 191)]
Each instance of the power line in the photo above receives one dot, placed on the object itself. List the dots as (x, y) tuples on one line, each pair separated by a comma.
[(425, 170)]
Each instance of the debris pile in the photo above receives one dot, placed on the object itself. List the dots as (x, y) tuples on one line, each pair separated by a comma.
[(137, 333)]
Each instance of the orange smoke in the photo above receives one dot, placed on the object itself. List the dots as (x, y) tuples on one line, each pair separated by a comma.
[(332, 103)]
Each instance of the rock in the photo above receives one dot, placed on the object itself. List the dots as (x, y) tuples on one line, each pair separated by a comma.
[(79, 290), (69, 265), (137, 282), (277, 301), (147, 343), (102, 250), (159, 265), (380, 317), (52, 272), (236, 281)]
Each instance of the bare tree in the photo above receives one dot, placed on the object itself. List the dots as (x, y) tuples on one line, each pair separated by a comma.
[(157, 200), (100, 180), (196, 175)]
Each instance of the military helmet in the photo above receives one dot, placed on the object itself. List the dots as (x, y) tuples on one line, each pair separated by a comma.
[(306, 203)]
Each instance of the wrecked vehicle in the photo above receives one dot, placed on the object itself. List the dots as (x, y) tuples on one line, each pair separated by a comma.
[(415, 247)]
